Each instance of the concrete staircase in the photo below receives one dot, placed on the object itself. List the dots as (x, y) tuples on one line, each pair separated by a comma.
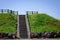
[(22, 27)]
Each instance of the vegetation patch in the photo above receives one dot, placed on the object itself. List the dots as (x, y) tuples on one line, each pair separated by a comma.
[(8, 23), (43, 23)]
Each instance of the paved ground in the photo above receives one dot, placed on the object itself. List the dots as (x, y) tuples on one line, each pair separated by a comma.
[(29, 39)]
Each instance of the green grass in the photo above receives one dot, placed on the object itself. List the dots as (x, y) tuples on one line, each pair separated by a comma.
[(8, 23), (43, 23)]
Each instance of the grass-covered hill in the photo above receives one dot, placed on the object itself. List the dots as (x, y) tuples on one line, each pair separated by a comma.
[(43, 23), (7, 23)]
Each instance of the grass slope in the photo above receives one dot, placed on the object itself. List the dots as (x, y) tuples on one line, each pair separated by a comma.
[(8, 23), (43, 23)]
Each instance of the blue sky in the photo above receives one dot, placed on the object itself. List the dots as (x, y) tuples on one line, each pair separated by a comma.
[(50, 7)]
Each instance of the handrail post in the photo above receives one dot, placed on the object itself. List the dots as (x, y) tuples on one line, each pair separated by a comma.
[(1, 10)]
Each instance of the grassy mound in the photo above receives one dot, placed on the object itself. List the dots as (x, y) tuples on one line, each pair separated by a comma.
[(8, 23), (43, 23)]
